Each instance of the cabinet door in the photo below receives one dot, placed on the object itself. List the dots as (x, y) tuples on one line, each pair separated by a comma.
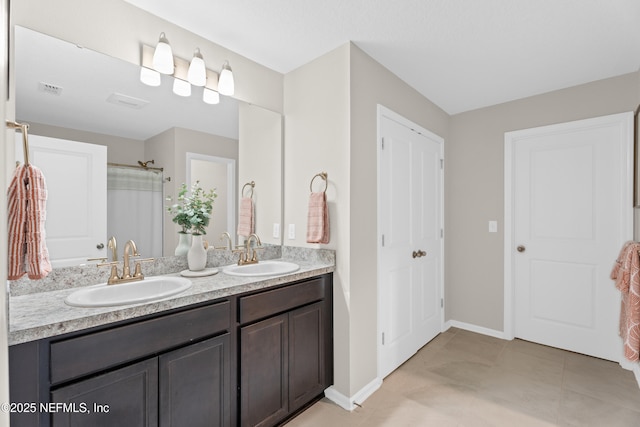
[(195, 387), (264, 372), (306, 355), (123, 397)]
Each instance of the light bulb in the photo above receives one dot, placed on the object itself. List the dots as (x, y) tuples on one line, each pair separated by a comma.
[(149, 77), (163, 56), (225, 82), (210, 96), (197, 74), (181, 87)]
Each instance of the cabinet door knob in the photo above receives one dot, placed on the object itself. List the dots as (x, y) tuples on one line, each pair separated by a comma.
[(521, 248)]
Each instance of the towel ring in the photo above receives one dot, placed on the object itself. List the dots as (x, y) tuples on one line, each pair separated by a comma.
[(322, 175), (250, 184)]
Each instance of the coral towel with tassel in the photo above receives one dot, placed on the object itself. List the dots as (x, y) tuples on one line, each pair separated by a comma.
[(27, 197), (318, 219), (626, 273), (245, 220)]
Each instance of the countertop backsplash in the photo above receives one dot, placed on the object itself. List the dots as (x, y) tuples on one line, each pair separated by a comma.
[(90, 274)]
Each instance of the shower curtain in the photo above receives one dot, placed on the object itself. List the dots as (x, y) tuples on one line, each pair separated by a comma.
[(135, 207)]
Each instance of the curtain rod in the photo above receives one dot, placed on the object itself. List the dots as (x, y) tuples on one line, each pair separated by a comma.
[(122, 165)]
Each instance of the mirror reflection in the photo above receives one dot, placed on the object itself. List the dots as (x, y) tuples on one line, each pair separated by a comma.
[(77, 95)]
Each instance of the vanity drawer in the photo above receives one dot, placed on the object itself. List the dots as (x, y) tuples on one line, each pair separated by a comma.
[(94, 352), (268, 303)]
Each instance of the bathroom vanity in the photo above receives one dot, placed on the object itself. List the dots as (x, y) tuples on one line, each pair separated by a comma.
[(251, 353)]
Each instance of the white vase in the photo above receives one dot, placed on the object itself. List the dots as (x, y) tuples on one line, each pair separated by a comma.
[(197, 255), (184, 243)]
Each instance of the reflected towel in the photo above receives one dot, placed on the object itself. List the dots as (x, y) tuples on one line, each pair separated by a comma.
[(626, 273), (318, 219), (26, 212), (245, 218)]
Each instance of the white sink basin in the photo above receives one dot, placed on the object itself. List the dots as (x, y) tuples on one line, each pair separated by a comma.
[(263, 268), (149, 289)]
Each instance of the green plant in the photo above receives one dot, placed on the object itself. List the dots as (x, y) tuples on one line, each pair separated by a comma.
[(193, 210)]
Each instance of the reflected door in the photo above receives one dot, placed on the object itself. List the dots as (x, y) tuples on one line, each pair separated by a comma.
[(76, 178)]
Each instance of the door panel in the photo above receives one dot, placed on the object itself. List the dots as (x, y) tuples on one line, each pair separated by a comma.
[(570, 193), (410, 258)]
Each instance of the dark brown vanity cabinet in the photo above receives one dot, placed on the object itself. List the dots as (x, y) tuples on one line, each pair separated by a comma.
[(171, 370), (286, 350), (250, 359)]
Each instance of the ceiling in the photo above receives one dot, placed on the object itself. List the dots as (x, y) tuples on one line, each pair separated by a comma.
[(460, 54)]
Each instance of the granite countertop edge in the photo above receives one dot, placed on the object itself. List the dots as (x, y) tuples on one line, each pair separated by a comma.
[(44, 315)]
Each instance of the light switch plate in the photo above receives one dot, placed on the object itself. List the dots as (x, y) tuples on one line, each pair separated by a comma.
[(276, 230), (292, 231), (493, 226)]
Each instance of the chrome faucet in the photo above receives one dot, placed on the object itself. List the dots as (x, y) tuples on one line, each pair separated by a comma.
[(130, 250)]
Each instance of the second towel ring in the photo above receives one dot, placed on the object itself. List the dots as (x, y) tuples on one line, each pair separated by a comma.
[(250, 184), (322, 175)]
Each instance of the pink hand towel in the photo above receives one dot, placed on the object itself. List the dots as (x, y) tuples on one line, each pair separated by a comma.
[(245, 218), (626, 273), (27, 198), (318, 219)]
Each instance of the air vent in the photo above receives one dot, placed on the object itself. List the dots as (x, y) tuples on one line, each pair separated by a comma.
[(126, 101), (49, 88)]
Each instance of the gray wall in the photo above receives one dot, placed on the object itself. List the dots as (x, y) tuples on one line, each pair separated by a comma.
[(474, 187)]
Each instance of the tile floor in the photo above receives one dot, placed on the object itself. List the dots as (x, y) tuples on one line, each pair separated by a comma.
[(466, 379)]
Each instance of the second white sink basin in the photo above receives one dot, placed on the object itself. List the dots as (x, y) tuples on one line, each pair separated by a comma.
[(149, 289), (263, 268)]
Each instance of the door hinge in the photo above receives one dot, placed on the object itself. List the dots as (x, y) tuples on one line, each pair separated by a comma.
[(383, 240), (442, 233), (441, 163), (382, 143), (383, 338), (441, 302)]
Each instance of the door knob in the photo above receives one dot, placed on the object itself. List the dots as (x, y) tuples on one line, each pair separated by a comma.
[(521, 248), (419, 253), (100, 246)]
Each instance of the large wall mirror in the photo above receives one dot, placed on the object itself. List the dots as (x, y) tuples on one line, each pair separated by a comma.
[(67, 92)]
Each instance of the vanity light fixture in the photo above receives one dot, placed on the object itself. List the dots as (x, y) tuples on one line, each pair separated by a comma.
[(197, 74), (163, 56), (225, 83), (185, 73)]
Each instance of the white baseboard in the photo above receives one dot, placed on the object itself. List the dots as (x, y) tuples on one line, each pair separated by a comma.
[(473, 328), (350, 403)]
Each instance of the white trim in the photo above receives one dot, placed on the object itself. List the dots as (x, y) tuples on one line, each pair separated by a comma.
[(626, 220), (474, 328), (383, 111), (350, 403)]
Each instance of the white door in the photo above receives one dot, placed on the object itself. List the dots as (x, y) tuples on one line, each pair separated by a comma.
[(76, 178), (572, 204), (410, 256)]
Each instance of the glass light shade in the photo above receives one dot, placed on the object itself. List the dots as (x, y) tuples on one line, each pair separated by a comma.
[(149, 77), (210, 96), (197, 74), (163, 56), (225, 82), (181, 87)]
